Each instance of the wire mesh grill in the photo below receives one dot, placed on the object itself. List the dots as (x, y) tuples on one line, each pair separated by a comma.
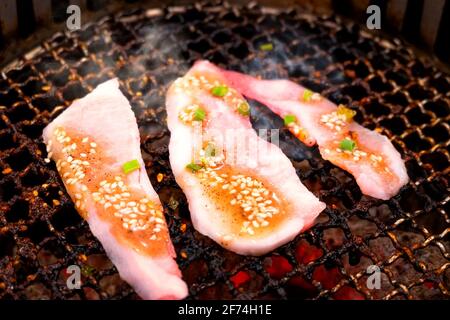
[(405, 98)]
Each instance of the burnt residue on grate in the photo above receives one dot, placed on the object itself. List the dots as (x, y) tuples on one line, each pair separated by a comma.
[(406, 238)]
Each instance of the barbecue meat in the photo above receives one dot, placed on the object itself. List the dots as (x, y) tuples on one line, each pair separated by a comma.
[(368, 155), (243, 192), (96, 146)]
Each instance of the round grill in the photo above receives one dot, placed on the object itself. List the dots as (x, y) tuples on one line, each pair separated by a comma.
[(405, 98)]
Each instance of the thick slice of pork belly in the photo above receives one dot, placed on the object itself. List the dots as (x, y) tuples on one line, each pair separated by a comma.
[(96, 146)]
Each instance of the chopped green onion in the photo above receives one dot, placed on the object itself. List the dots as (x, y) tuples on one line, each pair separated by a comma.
[(347, 144), (130, 166), (193, 166), (87, 270), (290, 118), (346, 112), (199, 114), (173, 203), (219, 91), (244, 109), (307, 95), (210, 150), (266, 47)]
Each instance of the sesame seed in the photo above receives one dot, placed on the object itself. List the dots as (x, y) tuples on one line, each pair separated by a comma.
[(125, 211)]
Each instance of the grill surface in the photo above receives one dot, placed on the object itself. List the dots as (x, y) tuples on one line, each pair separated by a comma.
[(405, 98)]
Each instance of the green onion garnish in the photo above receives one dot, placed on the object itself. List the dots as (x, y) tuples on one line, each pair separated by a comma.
[(210, 150), (307, 95), (219, 91), (87, 270), (244, 109), (130, 166), (347, 144), (346, 112), (290, 118), (199, 114), (193, 166), (266, 47)]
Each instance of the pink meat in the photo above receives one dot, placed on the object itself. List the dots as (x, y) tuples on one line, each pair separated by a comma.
[(378, 179), (106, 118), (268, 163)]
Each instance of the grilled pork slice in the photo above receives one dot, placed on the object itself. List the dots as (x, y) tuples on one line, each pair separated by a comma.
[(369, 156), (95, 144), (243, 192)]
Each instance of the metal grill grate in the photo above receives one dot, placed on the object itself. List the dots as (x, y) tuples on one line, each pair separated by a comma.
[(405, 98)]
